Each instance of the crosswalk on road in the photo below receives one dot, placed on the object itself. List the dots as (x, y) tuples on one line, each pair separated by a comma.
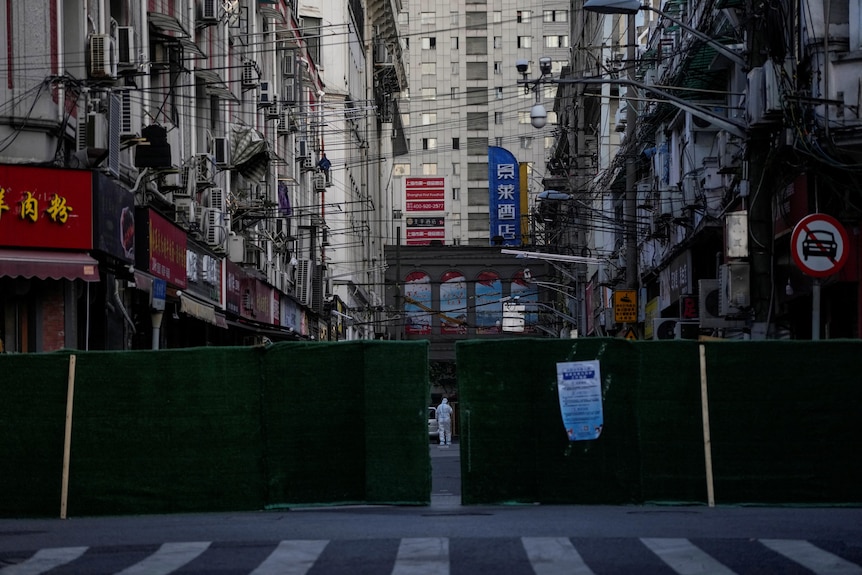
[(448, 556)]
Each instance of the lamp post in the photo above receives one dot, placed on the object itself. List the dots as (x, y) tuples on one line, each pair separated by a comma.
[(632, 7)]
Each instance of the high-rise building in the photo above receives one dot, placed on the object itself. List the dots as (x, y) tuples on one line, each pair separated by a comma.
[(463, 98)]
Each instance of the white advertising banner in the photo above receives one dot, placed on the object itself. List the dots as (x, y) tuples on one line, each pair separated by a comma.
[(579, 384)]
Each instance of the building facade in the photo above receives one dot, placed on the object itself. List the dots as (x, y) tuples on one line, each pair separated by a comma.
[(746, 126), (196, 172)]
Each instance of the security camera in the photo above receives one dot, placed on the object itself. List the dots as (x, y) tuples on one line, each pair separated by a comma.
[(545, 65), (522, 66), (538, 116)]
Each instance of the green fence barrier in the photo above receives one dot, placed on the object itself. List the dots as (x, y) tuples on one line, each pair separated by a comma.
[(212, 429), (783, 423)]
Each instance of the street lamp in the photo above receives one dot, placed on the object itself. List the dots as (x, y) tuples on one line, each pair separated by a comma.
[(631, 7)]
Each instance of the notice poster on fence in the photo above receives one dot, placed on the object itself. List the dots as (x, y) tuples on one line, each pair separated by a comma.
[(579, 384)]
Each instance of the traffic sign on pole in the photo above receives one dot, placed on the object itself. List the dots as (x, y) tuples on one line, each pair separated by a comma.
[(819, 245)]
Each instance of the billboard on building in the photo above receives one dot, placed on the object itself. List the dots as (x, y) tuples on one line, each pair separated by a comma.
[(504, 187), (421, 196)]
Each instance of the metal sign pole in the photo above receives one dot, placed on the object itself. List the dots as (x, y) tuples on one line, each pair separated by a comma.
[(815, 309)]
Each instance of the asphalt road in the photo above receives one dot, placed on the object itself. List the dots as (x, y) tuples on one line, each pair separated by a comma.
[(445, 538)]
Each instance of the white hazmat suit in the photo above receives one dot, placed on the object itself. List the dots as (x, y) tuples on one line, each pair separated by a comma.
[(444, 422)]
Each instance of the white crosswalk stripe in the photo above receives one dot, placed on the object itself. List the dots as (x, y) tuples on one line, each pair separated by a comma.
[(554, 556), (169, 558), (291, 558), (685, 558), (820, 561), (422, 556), (44, 560), (431, 556)]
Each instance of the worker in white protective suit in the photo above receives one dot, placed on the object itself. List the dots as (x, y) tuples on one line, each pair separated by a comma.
[(444, 422)]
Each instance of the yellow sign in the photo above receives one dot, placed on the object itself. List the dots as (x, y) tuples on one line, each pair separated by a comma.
[(625, 306), (631, 335)]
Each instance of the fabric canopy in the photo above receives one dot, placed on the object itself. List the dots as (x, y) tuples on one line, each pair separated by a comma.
[(249, 152), (48, 265)]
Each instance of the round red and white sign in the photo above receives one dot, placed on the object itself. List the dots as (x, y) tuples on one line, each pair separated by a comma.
[(819, 245)]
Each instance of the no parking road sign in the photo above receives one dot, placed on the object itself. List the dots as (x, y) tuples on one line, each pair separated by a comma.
[(819, 245)]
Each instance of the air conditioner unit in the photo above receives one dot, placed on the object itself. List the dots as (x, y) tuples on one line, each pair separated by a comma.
[(210, 10), (236, 249), (221, 151), (285, 124), (307, 163), (674, 328), (734, 288), (304, 273), (127, 57), (302, 149), (160, 55), (319, 181), (266, 96), (186, 211), (271, 112), (214, 229), (93, 131), (103, 57), (204, 168), (250, 75), (709, 308), (216, 199)]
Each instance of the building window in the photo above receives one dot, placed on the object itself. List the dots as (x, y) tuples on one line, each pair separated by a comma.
[(498, 117), (429, 118), (427, 18), (477, 45), (526, 142), (477, 70), (524, 16), (498, 17), (549, 142), (456, 169), (555, 16), (477, 20), (477, 96), (453, 18), (405, 119), (453, 93), (477, 146), (478, 171), (456, 194), (499, 92), (429, 68), (498, 42), (429, 43), (557, 41), (498, 141), (498, 67), (525, 41), (429, 93), (453, 40), (429, 169), (401, 170), (477, 121), (455, 68), (523, 117), (456, 143), (429, 143)]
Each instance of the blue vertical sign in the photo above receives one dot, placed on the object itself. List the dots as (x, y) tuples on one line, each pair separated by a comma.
[(504, 186), (580, 390)]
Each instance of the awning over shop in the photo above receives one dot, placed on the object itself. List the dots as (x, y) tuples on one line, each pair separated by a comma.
[(197, 309), (48, 265)]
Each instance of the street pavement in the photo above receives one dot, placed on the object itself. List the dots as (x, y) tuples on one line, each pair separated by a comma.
[(445, 538)]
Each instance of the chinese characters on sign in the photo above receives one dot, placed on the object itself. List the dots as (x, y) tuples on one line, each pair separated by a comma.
[(46, 208), (425, 195), (625, 306), (505, 196)]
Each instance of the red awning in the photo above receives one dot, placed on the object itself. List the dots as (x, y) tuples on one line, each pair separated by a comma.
[(48, 265)]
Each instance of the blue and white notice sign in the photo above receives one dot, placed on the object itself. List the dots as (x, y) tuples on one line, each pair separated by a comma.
[(579, 384)]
